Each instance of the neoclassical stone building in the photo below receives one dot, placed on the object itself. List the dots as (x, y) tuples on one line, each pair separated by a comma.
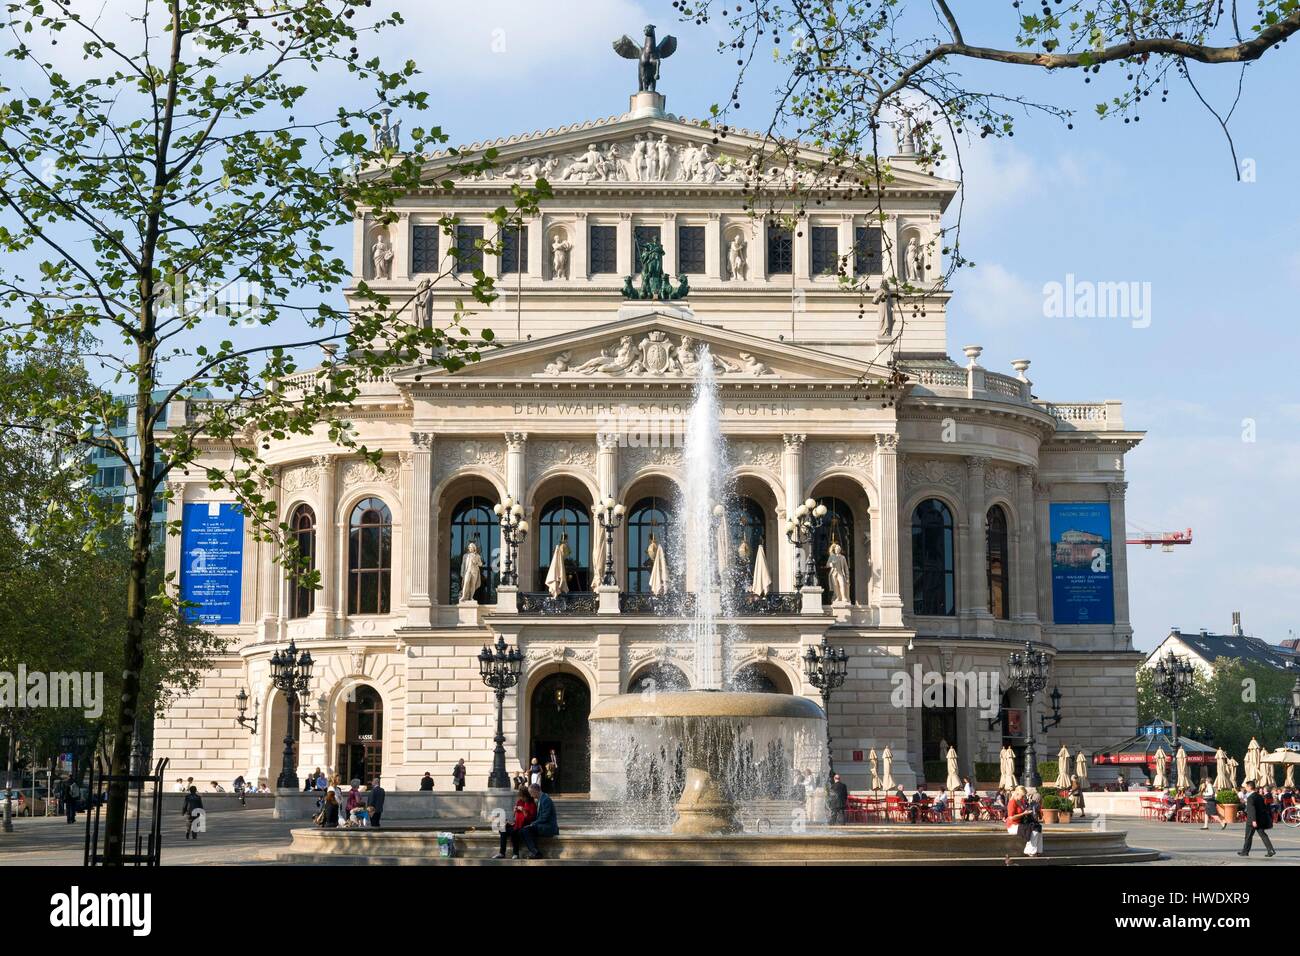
[(974, 515)]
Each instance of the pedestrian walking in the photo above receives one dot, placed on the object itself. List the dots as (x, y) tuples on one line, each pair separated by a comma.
[(1209, 797), (193, 810), (1259, 819), (71, 796), (239, 787), (458, 774)]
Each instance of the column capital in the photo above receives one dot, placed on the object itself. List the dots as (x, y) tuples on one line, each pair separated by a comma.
[(1027, 475), (325, 462), (1117, 489), (887, 442), (607, 440), (515, 440), (976, 463), (794, 442), (422, 440)]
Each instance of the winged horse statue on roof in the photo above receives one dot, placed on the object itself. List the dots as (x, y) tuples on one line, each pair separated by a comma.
[(648, 55)]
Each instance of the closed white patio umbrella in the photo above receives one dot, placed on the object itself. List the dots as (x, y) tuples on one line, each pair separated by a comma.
[(1062, 768), (1158, 782)]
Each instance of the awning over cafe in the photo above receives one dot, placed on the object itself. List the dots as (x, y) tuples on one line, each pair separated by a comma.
[(1141, 748)]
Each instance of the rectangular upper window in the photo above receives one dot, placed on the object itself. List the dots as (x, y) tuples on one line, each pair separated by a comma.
[(469, 254), (690, 249), (780, 251), (642, 235), (424, 249), (603, 251), (514, 250), (867, 251), (825, 250)]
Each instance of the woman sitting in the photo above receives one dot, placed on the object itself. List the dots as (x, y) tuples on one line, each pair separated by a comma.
[(525, 813)]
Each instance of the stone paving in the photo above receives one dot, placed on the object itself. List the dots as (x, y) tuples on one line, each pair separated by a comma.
[(248, 837)]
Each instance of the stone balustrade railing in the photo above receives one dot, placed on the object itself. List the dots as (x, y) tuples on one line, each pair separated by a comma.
[(977, 382)]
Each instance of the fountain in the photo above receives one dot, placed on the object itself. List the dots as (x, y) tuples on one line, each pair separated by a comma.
[(718, 733)]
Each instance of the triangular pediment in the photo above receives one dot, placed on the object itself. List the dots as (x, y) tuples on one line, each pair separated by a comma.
[(639, 151), (654, 343)]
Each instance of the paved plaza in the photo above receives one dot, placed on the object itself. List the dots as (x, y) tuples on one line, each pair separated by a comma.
[(251, 837)]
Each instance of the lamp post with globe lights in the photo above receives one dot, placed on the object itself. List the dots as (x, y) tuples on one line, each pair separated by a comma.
[(1028, 673), (1173, 682), (826, 668), (808, 517), (609, 514), (291, 675), (514, 529)]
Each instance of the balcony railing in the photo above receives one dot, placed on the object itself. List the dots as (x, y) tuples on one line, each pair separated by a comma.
[(772, 604), (572, 602)]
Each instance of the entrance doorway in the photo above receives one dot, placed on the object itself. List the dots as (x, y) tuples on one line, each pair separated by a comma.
[(361, 744), (561, 704)]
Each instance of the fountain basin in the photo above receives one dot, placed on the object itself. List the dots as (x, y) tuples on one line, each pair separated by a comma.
[(719, 734)]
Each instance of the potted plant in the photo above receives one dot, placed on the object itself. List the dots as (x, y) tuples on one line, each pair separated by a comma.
[(1228, 804), (1056, 808)]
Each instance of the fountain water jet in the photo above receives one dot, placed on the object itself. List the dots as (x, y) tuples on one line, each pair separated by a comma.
[(719, 734)]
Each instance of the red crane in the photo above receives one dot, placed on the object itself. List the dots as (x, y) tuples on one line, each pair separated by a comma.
[(1166, 539)]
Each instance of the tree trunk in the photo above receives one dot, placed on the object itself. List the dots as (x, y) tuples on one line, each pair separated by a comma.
[(137, 603)]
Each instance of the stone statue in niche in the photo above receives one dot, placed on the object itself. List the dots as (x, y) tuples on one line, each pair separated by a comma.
[(837, 567), (884, 301), (471, 573), (381, 256), (736, 263), (560, 247), (423, 304), (913, 260)]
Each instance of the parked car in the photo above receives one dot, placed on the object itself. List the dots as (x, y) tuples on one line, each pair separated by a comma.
[(23, 803)]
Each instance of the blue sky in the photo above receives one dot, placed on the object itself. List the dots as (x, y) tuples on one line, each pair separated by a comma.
[(1153, 202)]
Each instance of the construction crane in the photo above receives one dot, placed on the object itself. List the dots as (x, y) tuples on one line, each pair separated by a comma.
[(1166, 539)]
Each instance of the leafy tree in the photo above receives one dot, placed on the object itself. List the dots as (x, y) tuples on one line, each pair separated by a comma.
[(1237, 702), (182, 191)]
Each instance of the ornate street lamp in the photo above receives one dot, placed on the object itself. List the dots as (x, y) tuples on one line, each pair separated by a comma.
[(1028, 672), (499, 667), (610, 515), (291, 675), (1174, 683), (514, 529), (826, 668), (799, 530), (242, 718)]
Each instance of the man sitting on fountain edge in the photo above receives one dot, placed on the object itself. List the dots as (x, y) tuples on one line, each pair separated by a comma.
[(543, 825)]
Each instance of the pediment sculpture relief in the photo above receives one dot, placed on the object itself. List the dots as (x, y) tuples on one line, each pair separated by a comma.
[(655, 355), (645, 158)]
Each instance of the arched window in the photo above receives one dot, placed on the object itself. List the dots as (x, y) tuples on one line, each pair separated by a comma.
[(648, 518), (302, 528), (370, 558), (472, 521), (836, 527), (746, 530), (658, 676), (934, 589), (999, 586), (566, 520)]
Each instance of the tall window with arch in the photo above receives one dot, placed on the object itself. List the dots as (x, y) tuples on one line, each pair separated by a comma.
[(647, 520), (565, 521), (997, 560), (302, 530), (472, 522), (370, 558), (836, 528), (934, 585), (746, 530)]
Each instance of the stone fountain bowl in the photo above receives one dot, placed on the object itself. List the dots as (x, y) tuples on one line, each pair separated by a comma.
[(687, 704), (707, 724)]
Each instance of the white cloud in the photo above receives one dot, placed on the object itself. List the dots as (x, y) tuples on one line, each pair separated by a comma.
[(991, 295)]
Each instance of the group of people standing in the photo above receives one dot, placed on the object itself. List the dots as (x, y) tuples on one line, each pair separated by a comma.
[(353, 808)]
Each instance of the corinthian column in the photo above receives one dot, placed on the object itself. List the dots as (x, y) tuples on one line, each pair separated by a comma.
[(516, 471), (792, 478), (417, 491), (268, 583), (975, 601), (1027, 548), (891, 598), (333, 583)]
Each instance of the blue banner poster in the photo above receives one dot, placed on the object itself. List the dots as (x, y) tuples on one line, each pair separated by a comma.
[(1083, 583), (212, 561)]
